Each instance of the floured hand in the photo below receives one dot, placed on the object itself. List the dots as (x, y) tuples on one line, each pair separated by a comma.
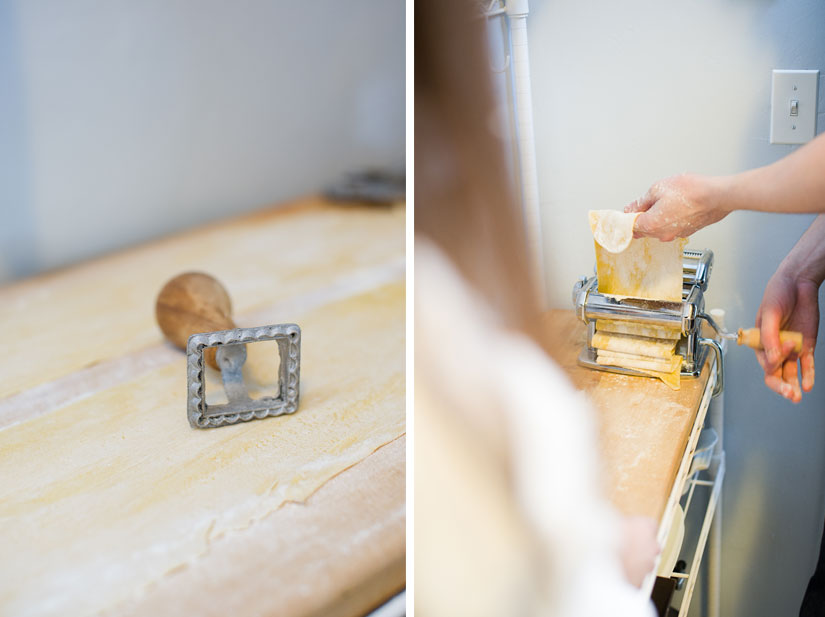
[(678, 206)]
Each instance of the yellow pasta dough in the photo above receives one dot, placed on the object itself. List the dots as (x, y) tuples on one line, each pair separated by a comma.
[(672, 379), (612, 229), (663, 365), (636, 345), (638, 329), (666, 370), (642, 268)]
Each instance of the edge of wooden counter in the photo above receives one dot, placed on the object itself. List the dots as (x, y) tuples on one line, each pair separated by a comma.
[(252, 565)]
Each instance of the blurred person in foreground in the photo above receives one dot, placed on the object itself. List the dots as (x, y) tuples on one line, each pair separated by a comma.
[(510, 516)]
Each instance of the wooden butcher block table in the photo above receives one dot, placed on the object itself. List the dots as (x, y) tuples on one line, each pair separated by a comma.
[(111, 504), (647, 431)]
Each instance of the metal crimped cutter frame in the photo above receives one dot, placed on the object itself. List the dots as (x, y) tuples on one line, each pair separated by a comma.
[(231, 355)]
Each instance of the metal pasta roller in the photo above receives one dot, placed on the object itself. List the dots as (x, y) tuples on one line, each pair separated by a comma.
[(686, 316)]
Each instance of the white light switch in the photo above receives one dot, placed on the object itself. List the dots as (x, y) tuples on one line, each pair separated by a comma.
[(793, 106)]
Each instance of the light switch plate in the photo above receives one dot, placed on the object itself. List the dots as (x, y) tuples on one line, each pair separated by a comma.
[(793, 91)]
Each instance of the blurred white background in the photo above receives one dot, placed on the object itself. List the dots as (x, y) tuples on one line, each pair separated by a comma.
[(121, 121), (625, 93)]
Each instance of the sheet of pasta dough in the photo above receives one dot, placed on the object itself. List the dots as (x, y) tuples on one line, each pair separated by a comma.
[(668, 371), (637, 345), (117, 488), (639, 362), (636, 268), (638, 329)]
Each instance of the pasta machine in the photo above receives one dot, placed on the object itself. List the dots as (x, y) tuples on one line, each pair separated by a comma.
[(687, 316)]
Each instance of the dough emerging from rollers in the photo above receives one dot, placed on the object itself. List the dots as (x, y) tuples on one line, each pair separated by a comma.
[(655, 357), (635, 345), (638, 329), (629, 360), (668, 371), (644, 268)]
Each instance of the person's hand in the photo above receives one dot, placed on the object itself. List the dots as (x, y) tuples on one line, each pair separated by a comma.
[(790, 302), (678, 206), (639, 548)]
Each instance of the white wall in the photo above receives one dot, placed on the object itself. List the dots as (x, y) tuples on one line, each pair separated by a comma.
[(123, 120), (628, 92)]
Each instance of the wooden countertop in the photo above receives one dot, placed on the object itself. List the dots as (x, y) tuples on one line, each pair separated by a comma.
[(644, 425), (110, 503)]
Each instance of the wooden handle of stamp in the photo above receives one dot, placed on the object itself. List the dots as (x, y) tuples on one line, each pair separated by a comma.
[(752, 338), (192, 303)]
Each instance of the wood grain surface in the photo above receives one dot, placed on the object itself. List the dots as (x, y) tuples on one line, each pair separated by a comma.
[(111, 504), (644, 425)]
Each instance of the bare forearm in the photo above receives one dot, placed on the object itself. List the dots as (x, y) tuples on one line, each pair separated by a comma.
[(678, 206), (806, 259), (795, 183)]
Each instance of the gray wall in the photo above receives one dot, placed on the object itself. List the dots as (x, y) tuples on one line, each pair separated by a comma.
[(626, 93), (122, 120)]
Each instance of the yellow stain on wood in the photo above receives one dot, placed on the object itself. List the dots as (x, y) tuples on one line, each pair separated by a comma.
[(117, 487), (644, 427), (63, 321)]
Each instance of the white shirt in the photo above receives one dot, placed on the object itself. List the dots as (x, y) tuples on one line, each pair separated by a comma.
[(509, 516)]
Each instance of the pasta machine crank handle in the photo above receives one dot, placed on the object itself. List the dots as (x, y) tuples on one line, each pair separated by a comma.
[(751, 337)]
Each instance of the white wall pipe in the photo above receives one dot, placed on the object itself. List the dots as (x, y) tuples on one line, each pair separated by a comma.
[(517, 11), (716, 412), (714, 586)]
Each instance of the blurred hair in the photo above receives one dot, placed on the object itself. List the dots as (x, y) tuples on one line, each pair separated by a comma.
[(464, 196)]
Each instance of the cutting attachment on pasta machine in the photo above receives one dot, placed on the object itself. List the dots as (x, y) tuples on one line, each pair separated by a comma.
[(687, 316), (194, 312)]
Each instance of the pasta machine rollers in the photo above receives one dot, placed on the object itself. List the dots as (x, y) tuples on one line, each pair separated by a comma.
[(687, 315)]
